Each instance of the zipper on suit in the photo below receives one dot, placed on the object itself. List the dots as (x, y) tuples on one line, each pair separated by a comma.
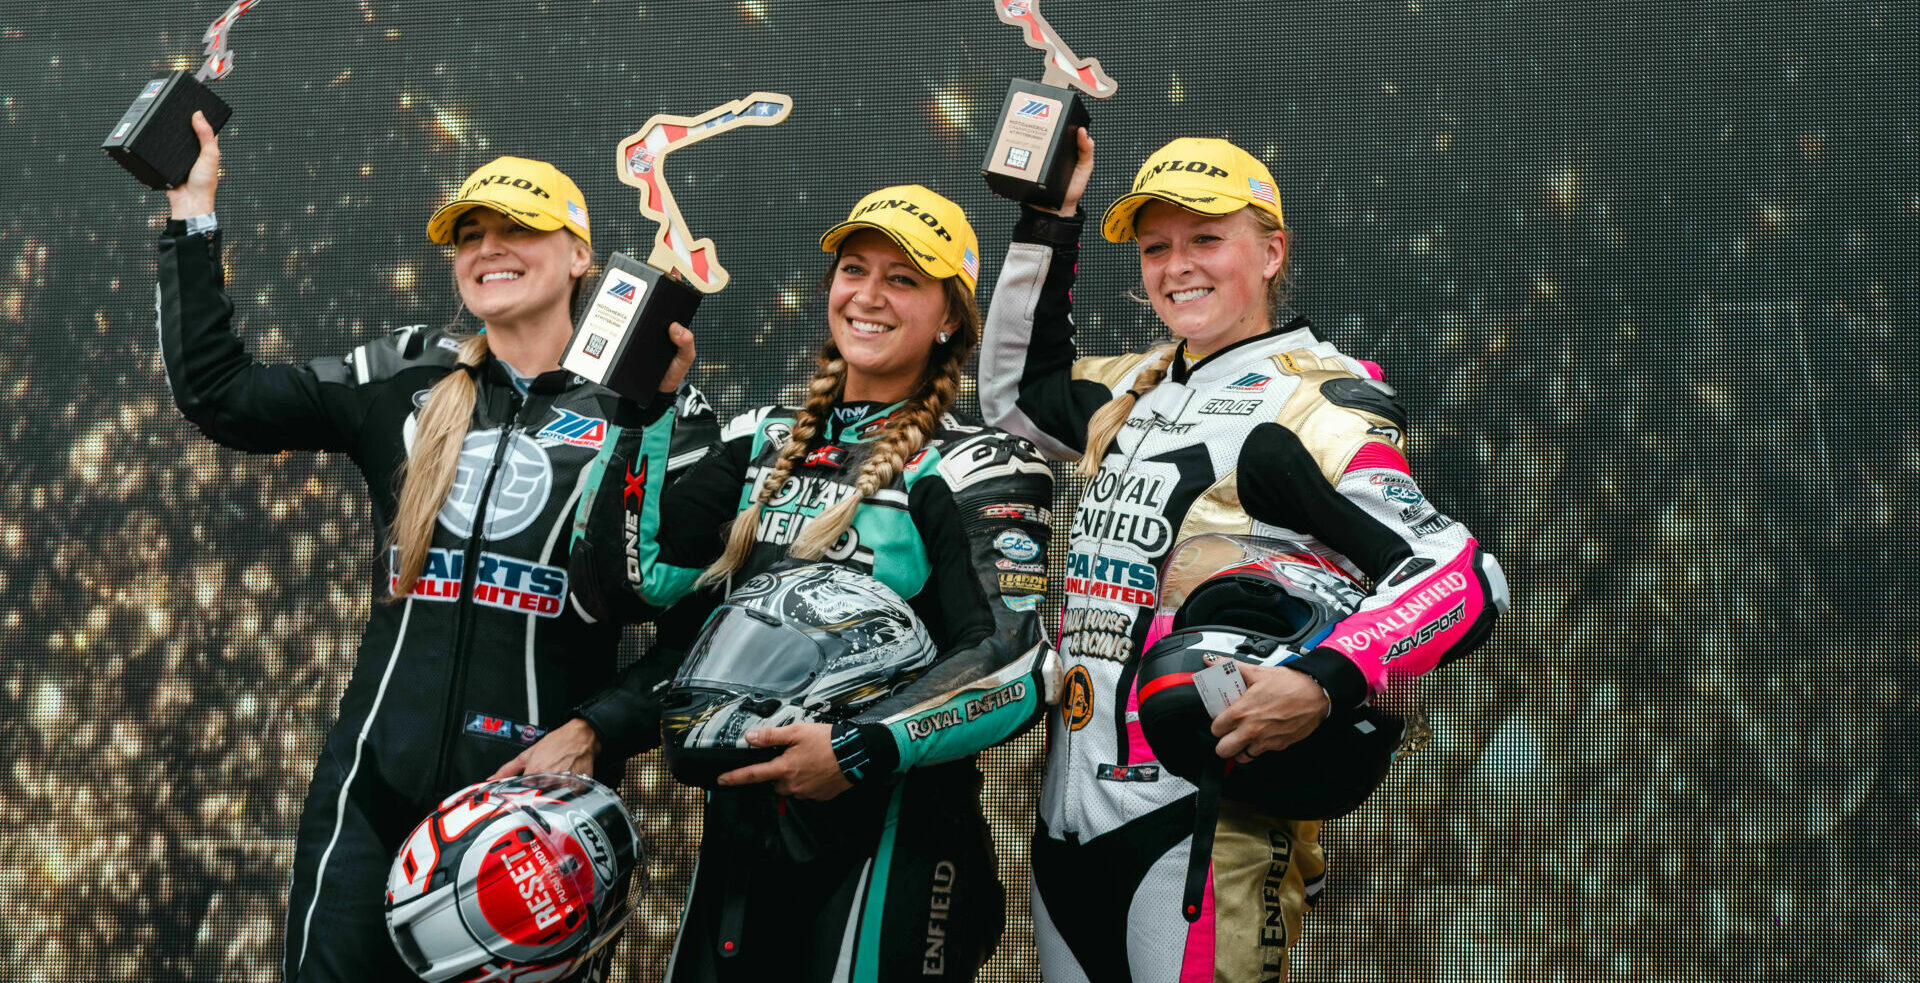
[(469, 574), (1069, 817)]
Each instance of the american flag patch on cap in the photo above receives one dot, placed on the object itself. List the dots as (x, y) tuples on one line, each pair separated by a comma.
[(970, 263), (575, 212), (1260, 189)]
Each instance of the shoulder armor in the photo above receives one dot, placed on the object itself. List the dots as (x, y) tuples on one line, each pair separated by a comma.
[(757, 419), (410, 347), (1335, 414), (1370, 395), (690, 402), (989, 454), (951, 427)]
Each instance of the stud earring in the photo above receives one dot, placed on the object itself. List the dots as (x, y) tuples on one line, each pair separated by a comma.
[(943, 336)]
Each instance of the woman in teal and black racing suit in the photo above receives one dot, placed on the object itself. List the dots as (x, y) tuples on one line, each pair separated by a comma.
[(860, 852)]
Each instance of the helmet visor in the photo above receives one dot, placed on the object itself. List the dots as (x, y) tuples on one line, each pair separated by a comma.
[(745, 650)]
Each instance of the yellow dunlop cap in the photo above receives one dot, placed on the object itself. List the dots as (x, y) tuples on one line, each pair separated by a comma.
[(531, 192), (931, 230), (1200, 174)]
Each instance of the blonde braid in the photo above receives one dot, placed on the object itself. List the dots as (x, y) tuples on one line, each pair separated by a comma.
[(828, 382), (440, 432), (1106, 423), (906, 433)]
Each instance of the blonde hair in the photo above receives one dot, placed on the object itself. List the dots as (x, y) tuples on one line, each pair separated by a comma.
[(1107, 421), (428, 475), (907, 431)]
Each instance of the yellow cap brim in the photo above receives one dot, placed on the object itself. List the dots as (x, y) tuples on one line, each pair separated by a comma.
[(440, 226), (918, 254), (1117, 226)]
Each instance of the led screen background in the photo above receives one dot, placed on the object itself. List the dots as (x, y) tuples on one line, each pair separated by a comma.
[(1644, 273)]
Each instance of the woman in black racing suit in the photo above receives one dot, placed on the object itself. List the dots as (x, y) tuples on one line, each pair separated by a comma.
[(472, 446), (860, 852)]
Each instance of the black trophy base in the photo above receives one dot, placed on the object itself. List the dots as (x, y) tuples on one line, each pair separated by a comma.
[(154, 141), (1031, 155), (621, 339)]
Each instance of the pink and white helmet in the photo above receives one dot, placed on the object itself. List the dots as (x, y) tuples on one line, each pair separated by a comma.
[(523, 879)]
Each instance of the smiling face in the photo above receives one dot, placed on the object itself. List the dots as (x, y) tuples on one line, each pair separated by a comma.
[(884, 315), (1206, 275), (510, 275)]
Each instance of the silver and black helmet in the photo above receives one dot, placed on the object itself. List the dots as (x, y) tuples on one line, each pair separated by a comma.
[(809, 643)]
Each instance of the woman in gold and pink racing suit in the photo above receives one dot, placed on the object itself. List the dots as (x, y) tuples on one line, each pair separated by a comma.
[(1242, 424)]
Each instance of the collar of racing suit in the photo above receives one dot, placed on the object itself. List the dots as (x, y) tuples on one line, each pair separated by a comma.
[(859, 421), (1226, 360), (496, 371)]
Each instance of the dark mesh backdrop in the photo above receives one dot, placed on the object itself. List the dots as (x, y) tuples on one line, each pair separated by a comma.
[(1643, 270)]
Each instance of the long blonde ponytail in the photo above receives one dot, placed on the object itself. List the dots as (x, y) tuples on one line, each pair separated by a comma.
[(440, 432), (1107, 421)]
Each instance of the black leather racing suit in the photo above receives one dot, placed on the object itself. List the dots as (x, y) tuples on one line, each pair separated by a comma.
[(486, 654)]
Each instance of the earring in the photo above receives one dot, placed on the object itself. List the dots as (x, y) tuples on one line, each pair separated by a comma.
[(943, 336)]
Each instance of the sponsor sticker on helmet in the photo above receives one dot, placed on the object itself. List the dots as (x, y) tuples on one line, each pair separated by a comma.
[(524, 891)]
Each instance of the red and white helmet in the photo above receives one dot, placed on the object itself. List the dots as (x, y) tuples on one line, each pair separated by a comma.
[(523, 879)]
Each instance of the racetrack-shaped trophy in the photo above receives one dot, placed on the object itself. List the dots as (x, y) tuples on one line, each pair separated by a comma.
[(621, 339), (154, 139), (1031, 155)]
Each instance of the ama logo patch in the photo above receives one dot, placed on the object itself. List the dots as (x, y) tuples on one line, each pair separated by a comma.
[(573, 428)]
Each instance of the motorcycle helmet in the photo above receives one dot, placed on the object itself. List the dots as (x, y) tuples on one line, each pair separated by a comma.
[(808, 643), (1261, 602), (525, 878)]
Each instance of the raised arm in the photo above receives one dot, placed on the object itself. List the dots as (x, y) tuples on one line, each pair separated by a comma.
[(1028, 385), (216, 384)]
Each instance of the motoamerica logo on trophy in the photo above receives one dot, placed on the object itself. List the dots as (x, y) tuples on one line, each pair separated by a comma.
[(154, 139), (621, 339), (1031, 155)]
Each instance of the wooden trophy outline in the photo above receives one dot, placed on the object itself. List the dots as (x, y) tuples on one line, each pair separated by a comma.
[(675, 250), (1063, 68)]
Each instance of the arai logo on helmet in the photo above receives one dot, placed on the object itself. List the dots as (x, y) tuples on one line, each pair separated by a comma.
[(593, 839), (1016, 545)]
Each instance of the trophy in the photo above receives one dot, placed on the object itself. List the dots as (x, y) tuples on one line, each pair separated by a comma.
[(154, 140), (1031, 155), (621, 339)]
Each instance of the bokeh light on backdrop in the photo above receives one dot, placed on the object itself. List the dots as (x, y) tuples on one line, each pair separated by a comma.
[(1644, 271)]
